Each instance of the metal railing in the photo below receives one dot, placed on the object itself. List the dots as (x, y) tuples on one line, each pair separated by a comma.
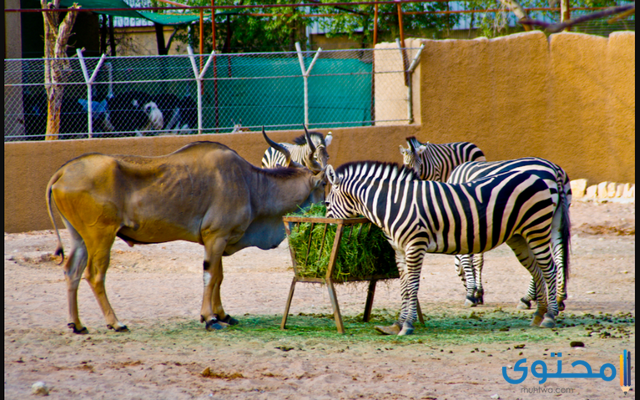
[(213, 93)]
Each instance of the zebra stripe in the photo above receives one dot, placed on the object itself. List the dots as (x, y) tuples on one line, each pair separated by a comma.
[(300, 151), (420, 217), (470, 267), (435, 162)]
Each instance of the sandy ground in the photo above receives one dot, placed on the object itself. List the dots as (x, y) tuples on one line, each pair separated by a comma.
[(156, 290)]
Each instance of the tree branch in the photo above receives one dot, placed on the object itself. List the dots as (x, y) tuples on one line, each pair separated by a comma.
[(557, 27)]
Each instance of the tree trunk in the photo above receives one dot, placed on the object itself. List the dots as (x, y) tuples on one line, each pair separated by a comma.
[(518, 10), (162, 49), (56, 65)]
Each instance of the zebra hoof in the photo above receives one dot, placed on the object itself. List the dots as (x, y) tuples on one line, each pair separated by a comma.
[(548, 322), (537, 319), (524, 305), (469, 303), (389, 330), (561, 305), (407, 329)]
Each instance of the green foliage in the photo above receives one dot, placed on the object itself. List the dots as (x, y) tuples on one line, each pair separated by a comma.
[(238, 32), (359, 23), (494, 24), (364, 250)]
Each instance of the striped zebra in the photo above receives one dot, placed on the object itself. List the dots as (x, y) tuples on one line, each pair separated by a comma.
[(420, 217), (470, 267), (309, 143), (435, 162)]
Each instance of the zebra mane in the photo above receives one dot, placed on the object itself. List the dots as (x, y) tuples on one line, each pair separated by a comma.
[(301, 140), (403, 172)]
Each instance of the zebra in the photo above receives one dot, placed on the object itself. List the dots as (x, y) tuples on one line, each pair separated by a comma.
[(420, 217), (469, 267), (309, 143), (435, 162)]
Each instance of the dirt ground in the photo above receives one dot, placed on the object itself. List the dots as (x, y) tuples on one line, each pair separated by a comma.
[(156, 290)]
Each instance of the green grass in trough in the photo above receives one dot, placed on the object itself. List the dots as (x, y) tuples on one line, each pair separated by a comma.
[(364, 250)]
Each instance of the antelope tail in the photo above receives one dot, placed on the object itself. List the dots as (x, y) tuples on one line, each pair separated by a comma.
[(59, 250)]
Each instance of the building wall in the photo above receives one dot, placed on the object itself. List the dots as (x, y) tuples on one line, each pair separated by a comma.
[(28, 166), (569, 99)]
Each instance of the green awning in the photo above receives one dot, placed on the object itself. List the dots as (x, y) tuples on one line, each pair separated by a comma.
[(164, 19)]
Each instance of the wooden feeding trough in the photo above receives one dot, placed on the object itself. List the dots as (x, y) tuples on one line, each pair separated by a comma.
[(324, 270)]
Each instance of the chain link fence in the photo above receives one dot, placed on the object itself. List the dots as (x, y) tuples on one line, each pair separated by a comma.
[(215, 93)]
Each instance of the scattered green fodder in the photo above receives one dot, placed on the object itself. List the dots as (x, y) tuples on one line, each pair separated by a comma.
[(364, 250), (440, 329)]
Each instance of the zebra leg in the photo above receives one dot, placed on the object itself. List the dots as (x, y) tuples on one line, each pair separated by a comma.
[(544, 257), (559, 248), (478, 262), (525, 302), (526, 257), (409, 287), (466, 271), (396, 327)]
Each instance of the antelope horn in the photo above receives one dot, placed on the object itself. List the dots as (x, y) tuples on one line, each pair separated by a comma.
[(278, 147), (308, 137)]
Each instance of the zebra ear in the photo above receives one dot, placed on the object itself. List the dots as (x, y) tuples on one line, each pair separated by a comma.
[(332, 176)]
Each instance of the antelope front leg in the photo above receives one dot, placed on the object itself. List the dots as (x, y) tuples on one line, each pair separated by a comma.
[(212, 279)]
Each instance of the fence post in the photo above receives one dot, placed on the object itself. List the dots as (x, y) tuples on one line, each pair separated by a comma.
[(89, 81), (199, 76), (305, 76), (412, 68)]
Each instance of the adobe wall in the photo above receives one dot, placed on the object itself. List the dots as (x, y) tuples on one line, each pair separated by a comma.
[(569, 99), (28, 166)]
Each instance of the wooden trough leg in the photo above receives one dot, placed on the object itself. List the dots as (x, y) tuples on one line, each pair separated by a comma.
[(336, 308), (369, 304), (286, 309)]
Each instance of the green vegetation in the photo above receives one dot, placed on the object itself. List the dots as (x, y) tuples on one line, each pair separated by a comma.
[(454, 327), (364, 250)]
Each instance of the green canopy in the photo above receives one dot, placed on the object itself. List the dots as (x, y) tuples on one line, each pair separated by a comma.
[(164, 19)]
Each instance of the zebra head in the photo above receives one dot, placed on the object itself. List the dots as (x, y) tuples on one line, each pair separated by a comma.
[(339, 203), (413, 156)]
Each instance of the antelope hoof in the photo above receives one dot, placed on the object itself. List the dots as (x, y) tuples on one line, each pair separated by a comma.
[(537, 319), (215, 325), (122, 328), (389, 330), (229, 320), (82, 331), (524, 304), (407, 329)]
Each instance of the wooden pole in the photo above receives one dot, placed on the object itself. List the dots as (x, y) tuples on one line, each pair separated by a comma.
[(215, 65), (404, 56), (373, 63), (375, 24), (565, 11)]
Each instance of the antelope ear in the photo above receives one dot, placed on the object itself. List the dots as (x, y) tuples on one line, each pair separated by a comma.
[(327, 139), (333, 178)]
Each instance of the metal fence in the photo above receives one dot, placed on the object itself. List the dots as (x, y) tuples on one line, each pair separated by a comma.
[(214, 93)]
